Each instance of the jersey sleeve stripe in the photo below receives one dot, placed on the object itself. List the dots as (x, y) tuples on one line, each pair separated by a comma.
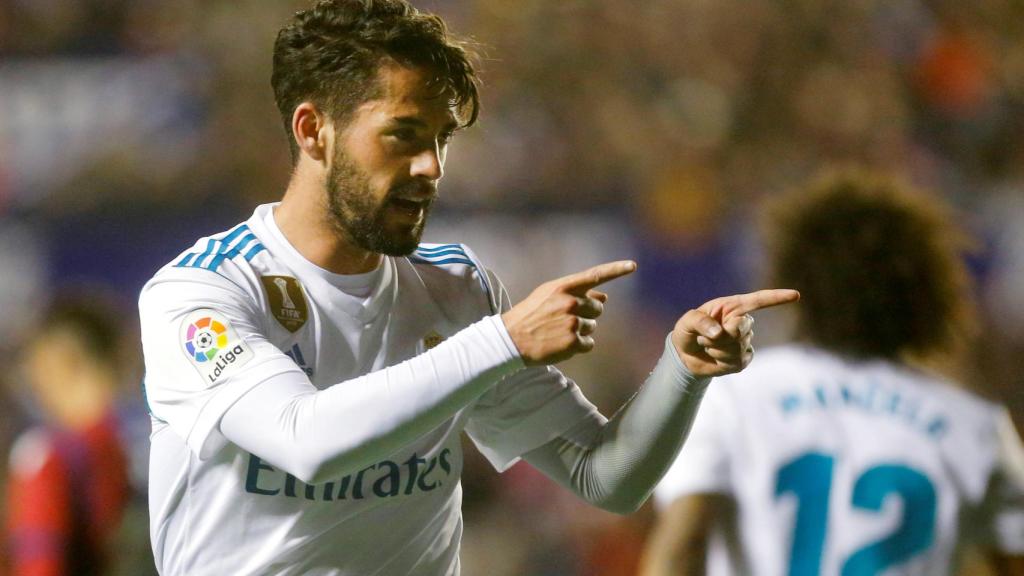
[(254, 251), (211, 247), (240, 239), (453, 254), (186, 260), (465, 261), (232, 250), (440, 253), (435, 253), (192, 259), (430, 249), (238, 231)]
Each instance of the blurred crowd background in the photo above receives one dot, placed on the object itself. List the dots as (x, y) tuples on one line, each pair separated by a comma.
[(610, 129)]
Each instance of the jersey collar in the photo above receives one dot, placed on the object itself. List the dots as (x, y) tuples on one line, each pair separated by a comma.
[(324, 282)]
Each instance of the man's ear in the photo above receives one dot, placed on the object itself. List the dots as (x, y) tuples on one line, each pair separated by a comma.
[(311, 131)]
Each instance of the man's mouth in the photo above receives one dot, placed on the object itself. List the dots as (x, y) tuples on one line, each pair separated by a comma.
[(411, 207)]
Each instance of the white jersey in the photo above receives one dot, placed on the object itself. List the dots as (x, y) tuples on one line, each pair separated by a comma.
[(239, 308), (849, 468)]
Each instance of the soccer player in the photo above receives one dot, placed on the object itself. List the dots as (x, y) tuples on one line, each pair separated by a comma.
[(309, 371), (840, 453), (68, 483)]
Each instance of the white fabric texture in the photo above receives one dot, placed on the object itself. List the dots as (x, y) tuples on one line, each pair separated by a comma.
[(869, 452), (374, 389)]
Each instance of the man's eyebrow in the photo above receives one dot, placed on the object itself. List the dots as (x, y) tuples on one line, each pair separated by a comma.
[(418, 123)]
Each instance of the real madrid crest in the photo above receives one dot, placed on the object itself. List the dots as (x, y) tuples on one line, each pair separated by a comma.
[(287, 301), (432, 339)]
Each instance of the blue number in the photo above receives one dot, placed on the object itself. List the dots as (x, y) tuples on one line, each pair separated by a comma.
[(917, 529), (810, 478)]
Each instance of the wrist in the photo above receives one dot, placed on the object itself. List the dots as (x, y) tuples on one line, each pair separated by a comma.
[(498, 322), (685, 378)]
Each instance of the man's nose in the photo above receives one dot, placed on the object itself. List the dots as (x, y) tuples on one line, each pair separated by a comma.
[(428, 164)]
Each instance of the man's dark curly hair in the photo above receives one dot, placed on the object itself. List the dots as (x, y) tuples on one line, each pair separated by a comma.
[(330, 54), (878, 265)]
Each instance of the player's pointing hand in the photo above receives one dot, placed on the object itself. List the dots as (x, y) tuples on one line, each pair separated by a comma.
[(715, 339), (557, 320)]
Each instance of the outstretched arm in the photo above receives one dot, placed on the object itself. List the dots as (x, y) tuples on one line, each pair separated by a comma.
[(318, 434), (616, 464)]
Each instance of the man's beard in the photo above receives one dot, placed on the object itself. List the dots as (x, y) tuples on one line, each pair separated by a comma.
[(354, 213)]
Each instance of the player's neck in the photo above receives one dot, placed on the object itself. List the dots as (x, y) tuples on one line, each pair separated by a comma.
[(302, 218)]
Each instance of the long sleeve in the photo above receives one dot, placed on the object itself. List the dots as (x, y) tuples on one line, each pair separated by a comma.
[(615, 464), (251, 394), (320, 434)]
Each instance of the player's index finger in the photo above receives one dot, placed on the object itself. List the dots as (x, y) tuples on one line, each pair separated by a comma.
[(580, 282), (765, 299)]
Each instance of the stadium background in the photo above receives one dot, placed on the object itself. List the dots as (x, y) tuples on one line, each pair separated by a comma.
[(610, 129)]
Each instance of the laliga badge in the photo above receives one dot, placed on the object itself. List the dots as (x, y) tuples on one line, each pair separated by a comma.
[(212, 346), (287, 302)]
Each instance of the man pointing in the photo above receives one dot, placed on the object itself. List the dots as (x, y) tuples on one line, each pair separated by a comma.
[(309, 370)]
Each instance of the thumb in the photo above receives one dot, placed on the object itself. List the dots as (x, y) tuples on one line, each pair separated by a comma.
[(697, 323)]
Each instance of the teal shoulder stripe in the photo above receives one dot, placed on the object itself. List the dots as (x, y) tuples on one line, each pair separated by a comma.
[(193, 259), (465, 261), (429, 249), (235, 242), (211, 245), (238, 231), (453, 254), (442, 253), (254, 251), (186, 260), (231, 250)]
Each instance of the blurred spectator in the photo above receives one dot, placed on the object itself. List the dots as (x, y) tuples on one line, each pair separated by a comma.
[(68, 483)]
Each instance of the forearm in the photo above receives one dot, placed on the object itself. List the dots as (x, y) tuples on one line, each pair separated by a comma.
[(616, 465), (315, 434)]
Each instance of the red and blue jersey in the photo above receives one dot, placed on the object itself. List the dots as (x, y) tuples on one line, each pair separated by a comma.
[(65, 497)]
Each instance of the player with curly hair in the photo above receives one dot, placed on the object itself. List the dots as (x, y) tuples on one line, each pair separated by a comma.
[(842, 453)]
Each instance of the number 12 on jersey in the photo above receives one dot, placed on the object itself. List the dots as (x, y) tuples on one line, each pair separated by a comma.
[(809, 478)]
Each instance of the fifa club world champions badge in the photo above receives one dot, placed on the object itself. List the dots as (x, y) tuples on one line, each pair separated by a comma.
[(287, 301)]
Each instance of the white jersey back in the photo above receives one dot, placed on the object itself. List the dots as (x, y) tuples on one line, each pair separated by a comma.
[(243, 306), (847, 468)]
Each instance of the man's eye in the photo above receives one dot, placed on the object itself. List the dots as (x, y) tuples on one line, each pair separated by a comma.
[(405, 135)]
